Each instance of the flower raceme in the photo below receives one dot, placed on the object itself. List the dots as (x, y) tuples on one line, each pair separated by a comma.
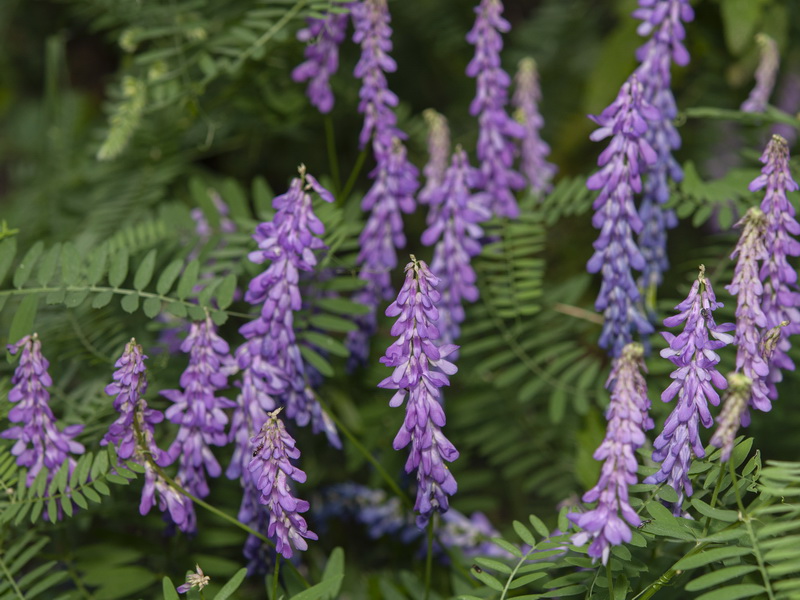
[(420, 369), (694, 354)]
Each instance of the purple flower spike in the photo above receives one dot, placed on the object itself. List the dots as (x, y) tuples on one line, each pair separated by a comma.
[(628, 419), (533, 150), (322, 57), (663, 21), (780, 299), (420, 369), (696, 358), (616, 253), (456, 233), (733, 413), (199, 410), (497, 131), (438, 153), (750, 319), (269, 469), (40, 443), (766, 73)]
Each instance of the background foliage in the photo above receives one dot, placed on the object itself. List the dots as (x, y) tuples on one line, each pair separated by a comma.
[(118, 118)]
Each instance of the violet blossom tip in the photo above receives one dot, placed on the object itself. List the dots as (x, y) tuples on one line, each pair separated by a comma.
[(766, 75)]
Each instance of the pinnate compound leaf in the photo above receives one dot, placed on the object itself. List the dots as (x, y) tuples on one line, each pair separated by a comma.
[(188, 279), (97, 265), (26, 265), (168, 276), (709, 556), (733, 592), (22, 323), (231, 585), (119, 268), (486, 579), (716, 578), (145, 271), (47, 266), (8, 249)]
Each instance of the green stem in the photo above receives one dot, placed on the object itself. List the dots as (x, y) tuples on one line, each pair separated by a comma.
[(429, 557), (610, 577), (10, 580), (333, 159), (275, 577), (351, 180)]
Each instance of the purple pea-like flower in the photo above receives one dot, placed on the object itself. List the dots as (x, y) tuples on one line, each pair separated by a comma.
[(322, 56), (438, 154), (766, 74), (199, 410), (628, 419), (456, 233), (420, 369), (750, 319), (497, 130), (270, 469), (780, 300), (694, 353), (40, 444), (663, 21), (533, 149), (616, 252)]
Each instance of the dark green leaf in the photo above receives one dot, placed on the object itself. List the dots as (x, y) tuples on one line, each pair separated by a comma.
[(734, 592), (729, 516), (486, 579), (334, 568), (494, 565), (226, 291), (70, 264), (97, 265), (715, 578), (26, 265), (332, 323), (188, 279), (168, 276), (317, 361), (168, 589), (524, 533), (8, 249), (709, 556), (323, 589), (22, 323), (200, 193), (324, 342), (145, 271), (342, 306), (47, 266), (119, 268)]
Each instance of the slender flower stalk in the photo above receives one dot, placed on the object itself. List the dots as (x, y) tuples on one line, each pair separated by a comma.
[(323, 36), (616, 252), (497, 130), (456, 233), (420, 369), (40, 444), (780, 300), (533, 149), (766, 74), (694, 354), (394, 177), (438, 154), (199, 410), (628, 419), (269, 469), (663, 21)]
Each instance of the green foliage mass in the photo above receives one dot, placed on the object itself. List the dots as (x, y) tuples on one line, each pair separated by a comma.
[(118, 118)]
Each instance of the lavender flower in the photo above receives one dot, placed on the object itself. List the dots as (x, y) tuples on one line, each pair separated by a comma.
[(39, 442), (780, 300), (615, 215), (628, 419), (269, 470), (663, 21), (766, 73), (533, 149), (497, 131), (750, 319), (133, 433), (734, 412), (695, 356), (456, 233), (420, 369), (197, 579), (322, 57), (198, 410), (438, 153), (394, 178)]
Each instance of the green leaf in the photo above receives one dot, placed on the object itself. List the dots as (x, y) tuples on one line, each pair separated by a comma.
[(22, 323), (715, 578), (235, 198), (92, 495), (486, 579), (25, 267), (47, 266), (8, 249), (225, 291), (145, 271), (524, 533), (740, 19), (151, 307), (168, 276), (70, 264), (119, 268), (130, 303), (101, 299), (342, 306), (322, 590), (334, 568), (79, 499), (734, 592), (729, 516), (168, 589), (97, 265), (710, 556), (262, 197), (332, 323), (188, 279), (317, 361), (494, 565), (324, 342), (73, 299), (178, 309), (199, 191), (100, 466)]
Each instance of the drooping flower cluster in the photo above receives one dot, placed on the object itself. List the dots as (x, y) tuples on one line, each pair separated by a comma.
[(199, 410), (616, 252), (628, 419), (497, 130), (533, 149), (663, 20), (781, 299), (323, 37), (766, 74), (269, 469), (420, 369), (694, 354), (438, 154), (39, 442), (394, 177), (750, 318), (456, 233)]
